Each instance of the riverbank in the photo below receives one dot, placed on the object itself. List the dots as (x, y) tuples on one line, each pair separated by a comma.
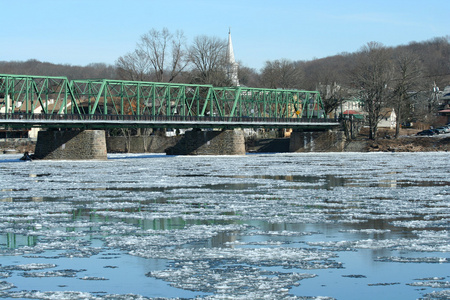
[(408, 141)]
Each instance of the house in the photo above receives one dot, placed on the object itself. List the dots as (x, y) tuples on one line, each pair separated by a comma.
[(388, 118), (351, 108), (444, 112)]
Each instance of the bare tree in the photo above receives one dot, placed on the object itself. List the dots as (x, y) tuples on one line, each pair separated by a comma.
[(372, 75), (165, 53), (248, 76), (407, 81), (333, 95), (208, 55), (283, 74), (159, 56), (133, 66)]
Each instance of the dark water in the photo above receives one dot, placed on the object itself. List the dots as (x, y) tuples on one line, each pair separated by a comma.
[(341, 225)]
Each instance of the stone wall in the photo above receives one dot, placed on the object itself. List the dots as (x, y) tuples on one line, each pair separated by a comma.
[(71, 145), (11, 146), (226, 142), (317, 141), (140, 144)]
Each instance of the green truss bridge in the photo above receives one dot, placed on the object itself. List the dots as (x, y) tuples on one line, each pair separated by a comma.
[(55, 102)]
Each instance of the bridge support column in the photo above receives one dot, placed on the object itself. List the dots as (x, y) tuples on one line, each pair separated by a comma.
[(71, 145), (317, 141), (196, 142)]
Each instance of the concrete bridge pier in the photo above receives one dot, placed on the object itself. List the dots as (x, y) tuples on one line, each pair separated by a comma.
[(71, 145), (197, 142), (317, 141)]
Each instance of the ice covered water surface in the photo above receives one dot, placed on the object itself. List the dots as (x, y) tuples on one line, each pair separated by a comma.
[(280, 226)]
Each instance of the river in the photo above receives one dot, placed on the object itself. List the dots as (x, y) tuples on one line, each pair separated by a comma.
[(263, 226)]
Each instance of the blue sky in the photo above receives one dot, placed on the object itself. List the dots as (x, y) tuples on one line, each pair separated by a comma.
[(79, 32)]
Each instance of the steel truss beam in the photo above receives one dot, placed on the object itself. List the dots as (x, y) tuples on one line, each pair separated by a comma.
[(157, 99), (133, 101), (27, 95)]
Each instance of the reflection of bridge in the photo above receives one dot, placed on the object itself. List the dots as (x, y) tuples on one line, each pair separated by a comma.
[(36, 101), (56, 102)]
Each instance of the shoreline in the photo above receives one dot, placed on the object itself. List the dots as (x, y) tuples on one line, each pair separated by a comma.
[(404, 143)]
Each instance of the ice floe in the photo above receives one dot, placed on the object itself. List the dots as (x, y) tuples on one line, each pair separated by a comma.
[(226, 227)]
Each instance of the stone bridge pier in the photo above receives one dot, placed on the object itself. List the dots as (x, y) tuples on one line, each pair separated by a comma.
[(197, 142), (71, 145)]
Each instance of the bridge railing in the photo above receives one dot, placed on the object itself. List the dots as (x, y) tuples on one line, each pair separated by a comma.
[(151, 119)]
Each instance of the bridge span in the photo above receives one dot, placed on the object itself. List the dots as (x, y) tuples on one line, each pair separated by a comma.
[(84, 121), (55, 102)]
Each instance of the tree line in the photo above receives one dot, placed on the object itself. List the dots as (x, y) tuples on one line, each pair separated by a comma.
[(404, 77)]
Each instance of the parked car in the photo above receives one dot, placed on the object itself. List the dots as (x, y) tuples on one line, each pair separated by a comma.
[(426, 132), (445, 128), (439, 130)]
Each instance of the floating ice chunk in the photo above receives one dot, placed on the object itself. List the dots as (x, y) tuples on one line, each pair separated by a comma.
[(431, 278), (442, 223), (432, 284), (69, 295), (93, 278), (438, 295), (6, 285), (29, 267), (419, 245), (439, 260), (231, 282), (56, 273), (383, 283), (355, 276), (366, 231)]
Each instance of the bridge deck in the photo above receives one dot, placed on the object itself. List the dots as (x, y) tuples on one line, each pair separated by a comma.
[(110, 121)]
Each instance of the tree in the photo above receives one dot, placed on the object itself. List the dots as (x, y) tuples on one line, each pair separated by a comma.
[(333, 95), (248, 76), (283, 74), (208, 56), (372, 75), (159, 56), (133, 66), (407, 81), (164, 50)]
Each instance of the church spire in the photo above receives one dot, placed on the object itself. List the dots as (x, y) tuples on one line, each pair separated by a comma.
[(232, 65), (230, 52)]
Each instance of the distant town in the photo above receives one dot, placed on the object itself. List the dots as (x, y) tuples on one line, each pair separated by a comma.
[(407, 86)]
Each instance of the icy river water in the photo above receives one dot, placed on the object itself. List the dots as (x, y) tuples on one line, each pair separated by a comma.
[(266, 226)]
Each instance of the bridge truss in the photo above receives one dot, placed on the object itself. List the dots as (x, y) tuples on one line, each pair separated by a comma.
[(56, 101), (36, 94)]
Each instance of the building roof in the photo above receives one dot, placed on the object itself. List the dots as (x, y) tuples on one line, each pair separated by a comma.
[(351, 112), (355, 114)]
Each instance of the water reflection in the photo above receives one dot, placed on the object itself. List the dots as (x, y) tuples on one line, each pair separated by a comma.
[(13, 241)]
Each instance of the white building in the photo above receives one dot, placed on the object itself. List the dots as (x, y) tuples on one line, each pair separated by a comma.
[(231, 65), (388, 118)]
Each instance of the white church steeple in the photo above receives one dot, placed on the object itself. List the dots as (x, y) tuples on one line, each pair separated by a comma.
[(232, 65)]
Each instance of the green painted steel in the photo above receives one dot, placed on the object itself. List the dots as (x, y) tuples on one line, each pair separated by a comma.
[(27, 95), (117, 97), (134, 100), (269, 103), (170, 99)]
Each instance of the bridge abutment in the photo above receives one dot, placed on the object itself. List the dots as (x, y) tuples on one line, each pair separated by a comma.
[(196, 142), (317, 141), (71, 145)]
